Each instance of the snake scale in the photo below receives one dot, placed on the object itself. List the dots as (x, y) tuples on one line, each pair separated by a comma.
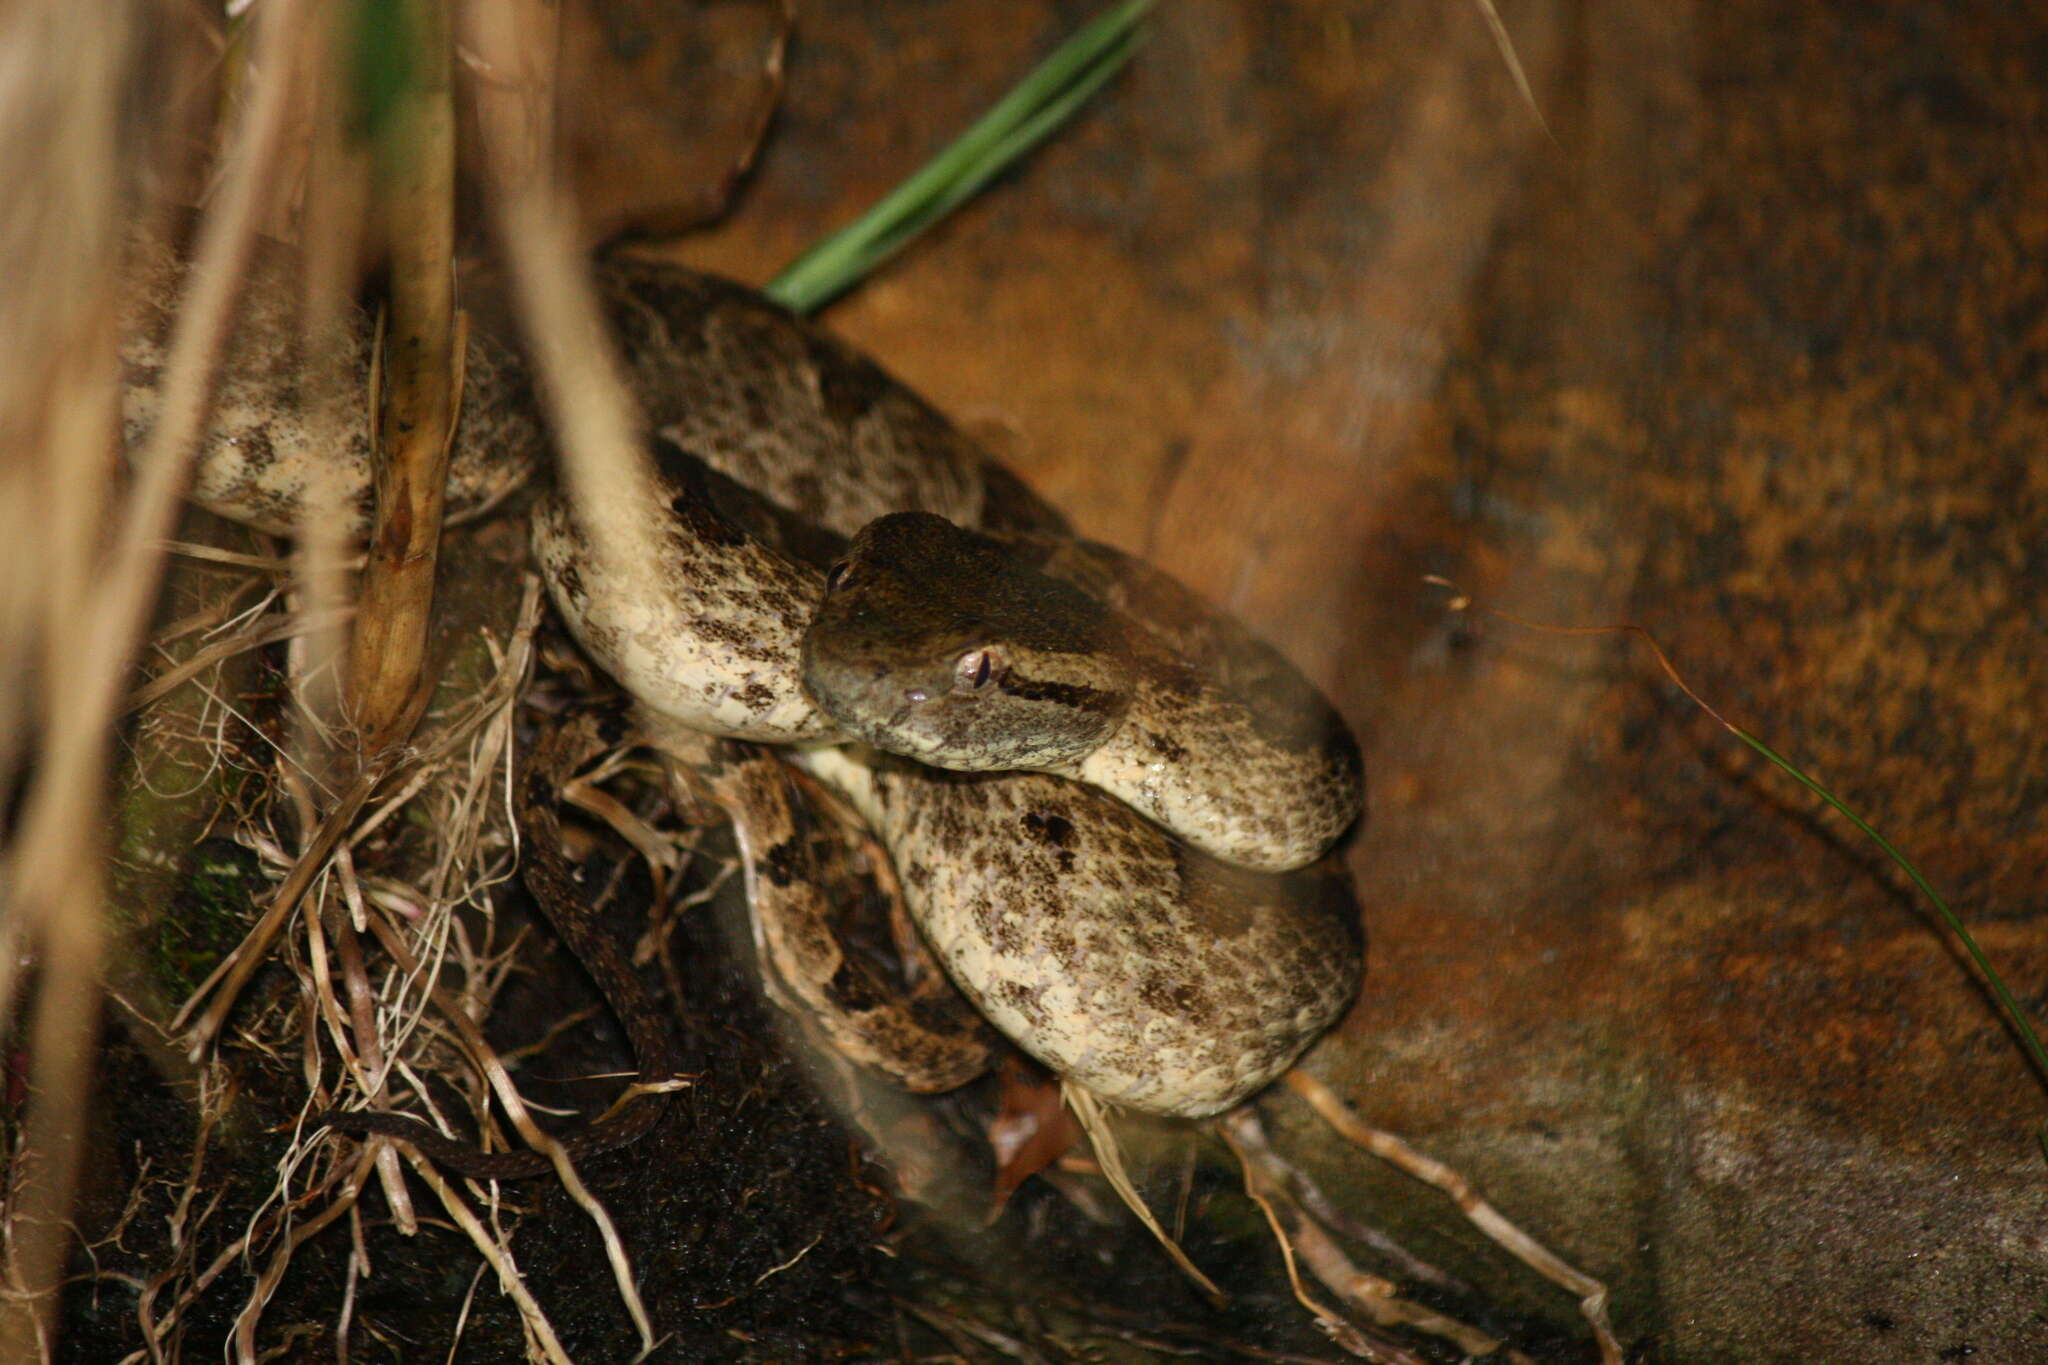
[(1132, 962)]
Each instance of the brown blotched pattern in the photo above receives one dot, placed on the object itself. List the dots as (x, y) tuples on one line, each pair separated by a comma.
[(1157, 977), (820, 905), (1196, 724), (275, 428)]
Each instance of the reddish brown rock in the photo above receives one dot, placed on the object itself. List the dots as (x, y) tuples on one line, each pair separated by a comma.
[(1752, 354)]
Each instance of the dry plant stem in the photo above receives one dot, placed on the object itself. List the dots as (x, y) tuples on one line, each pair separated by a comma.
[(328, 217), (213, 554), (57, 864), (362, 1007), (266, 1284), (598, 430), (1592, 1293), (596, 425), (954, 1326), (57, 403), (461, 1317), (1324, 1210), (1499, 29), (653, 847), (210, 617), (1267, 1177), (422, 374), (155, 1329), (1347, 1335)]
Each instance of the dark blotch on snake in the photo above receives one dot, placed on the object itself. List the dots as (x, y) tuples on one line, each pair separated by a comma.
[(1165, 748), (854, 989), (849, 385), (1055, 832), (1074, 696), (786, 863)]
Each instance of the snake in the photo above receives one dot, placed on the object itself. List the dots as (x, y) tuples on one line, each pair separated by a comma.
[(975, 653), (1133, 962)]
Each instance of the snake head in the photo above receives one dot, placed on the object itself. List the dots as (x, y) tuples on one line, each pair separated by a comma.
[(940, 644)]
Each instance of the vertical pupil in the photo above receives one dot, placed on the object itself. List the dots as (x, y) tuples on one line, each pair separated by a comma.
[(981, 672)]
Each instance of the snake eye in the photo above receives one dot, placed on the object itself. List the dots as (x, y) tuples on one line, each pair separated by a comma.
[(835, 575), (974, 669)]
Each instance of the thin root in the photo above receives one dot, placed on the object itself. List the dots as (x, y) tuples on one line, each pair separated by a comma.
[(1592, 1294)]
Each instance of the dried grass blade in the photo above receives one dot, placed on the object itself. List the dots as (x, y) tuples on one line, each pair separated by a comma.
[(1109, 1154), (95, 625), (502, 1085), (1266, 1179), (1501, 39), (264, 631), (281, 1259)]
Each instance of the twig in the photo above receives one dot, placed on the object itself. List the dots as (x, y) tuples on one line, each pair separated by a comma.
[(280, 1260), (1506, 44), (497, 1255), (1345, 1334), (255, 946), (515, 1108), (1325, 1211)]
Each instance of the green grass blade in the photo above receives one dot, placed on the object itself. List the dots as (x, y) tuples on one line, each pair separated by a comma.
[(1019, 121), (974, 178), (2029, 1040)]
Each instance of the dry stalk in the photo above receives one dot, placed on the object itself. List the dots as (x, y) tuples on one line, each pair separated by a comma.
[(280, 1260), (422, 373), (95, 605), (1333, 1325), (1592, 1293), (326, 211), (241, 964), (1506, 43), (362, 1006), (515, 1108), (156, 1330), (214, 554), (514, 46), (598, 429), (1324, 1210)]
